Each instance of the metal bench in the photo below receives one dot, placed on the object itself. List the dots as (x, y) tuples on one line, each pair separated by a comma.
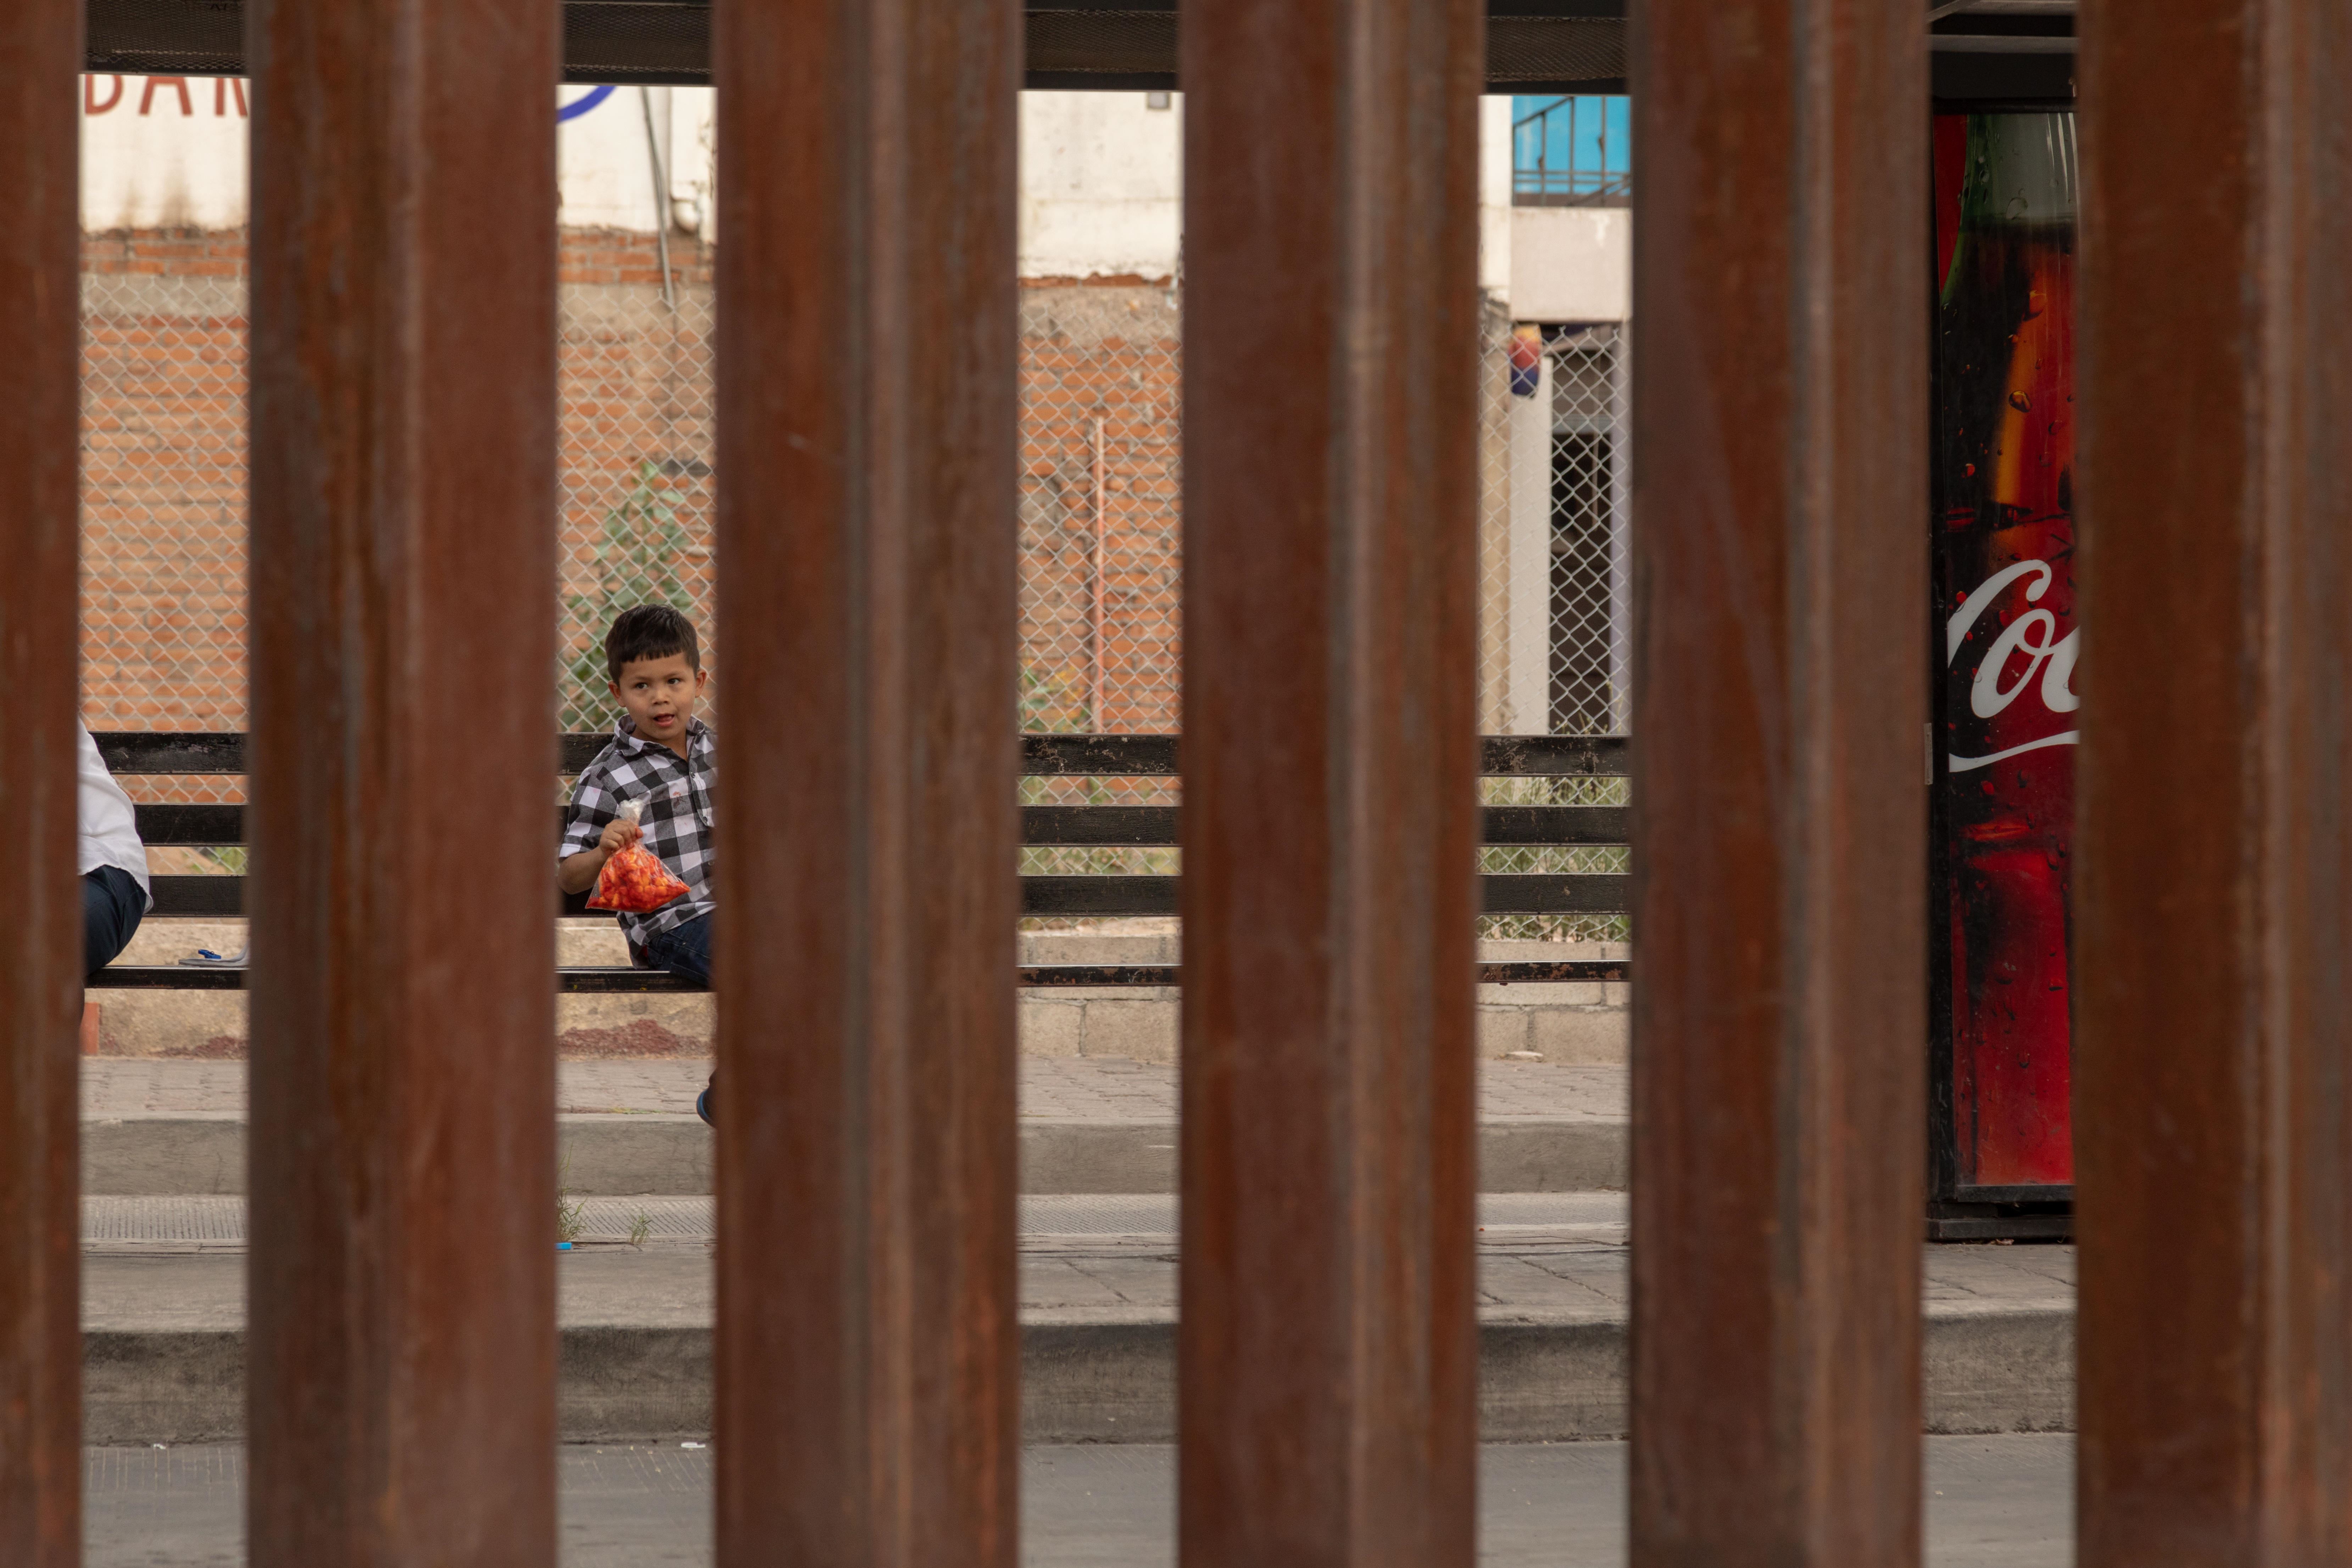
[(222, 754)]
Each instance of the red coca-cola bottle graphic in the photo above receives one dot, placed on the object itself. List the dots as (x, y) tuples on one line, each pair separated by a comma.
[(2006, 640)]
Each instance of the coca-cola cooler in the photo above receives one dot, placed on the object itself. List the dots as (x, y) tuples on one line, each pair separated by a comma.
[(2004, 641)]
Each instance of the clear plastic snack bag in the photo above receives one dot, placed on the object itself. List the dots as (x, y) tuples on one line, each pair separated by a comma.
[(635, 880)]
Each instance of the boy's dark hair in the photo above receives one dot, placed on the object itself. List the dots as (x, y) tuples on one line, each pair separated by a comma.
[(649, 631)]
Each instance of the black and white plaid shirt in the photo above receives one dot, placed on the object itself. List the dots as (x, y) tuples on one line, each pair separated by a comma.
[(676, 816)]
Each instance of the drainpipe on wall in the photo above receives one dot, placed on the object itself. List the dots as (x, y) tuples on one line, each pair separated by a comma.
[(1095, 641), (661, 197)]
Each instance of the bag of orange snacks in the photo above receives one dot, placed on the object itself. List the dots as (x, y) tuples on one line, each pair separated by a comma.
[(635, 880)]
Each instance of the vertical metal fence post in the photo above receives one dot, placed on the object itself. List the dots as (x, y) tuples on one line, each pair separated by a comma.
[(402, 1359), (2213, 1086), (1779, 813), (867, 1399), (40, 972), (1328, 1344)]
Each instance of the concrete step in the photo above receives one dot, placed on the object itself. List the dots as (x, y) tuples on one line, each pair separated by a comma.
[(1083, 1223), (1574, 1022), (619, 1155), (1089, 1125), (165, 1354)]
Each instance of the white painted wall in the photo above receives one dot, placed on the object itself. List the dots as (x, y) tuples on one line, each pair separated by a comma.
[(1495, 196), (1101, 183), (1571, 264), (162, 152), (604, 171), (1102, 186), (1526, 650), (604, 166)]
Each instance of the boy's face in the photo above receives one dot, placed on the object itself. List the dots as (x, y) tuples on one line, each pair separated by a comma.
[(660, 695)]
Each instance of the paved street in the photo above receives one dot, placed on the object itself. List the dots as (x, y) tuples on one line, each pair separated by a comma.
[(1992, 1502)]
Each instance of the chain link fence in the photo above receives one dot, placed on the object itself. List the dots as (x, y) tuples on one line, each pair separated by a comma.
[(163, 474), (1555, 612), (164, 565), (1591, 562), (162, 623), (634, 382), (1100, 542), (163, 497)]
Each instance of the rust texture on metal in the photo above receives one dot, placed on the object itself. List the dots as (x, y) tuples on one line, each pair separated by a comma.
[(402, 1311), (40, 970), (2214, 1014), (1326, 1338), (1780, 827), (867, 1407)]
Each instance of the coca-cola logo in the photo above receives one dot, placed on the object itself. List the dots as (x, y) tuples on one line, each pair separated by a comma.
[(2032, 636)]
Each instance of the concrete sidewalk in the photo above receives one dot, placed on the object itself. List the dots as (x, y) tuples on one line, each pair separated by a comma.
[(164, 1333), (1991, 1502), (1087, 1125)]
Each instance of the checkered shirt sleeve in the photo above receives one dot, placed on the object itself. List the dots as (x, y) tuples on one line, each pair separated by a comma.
[(676, 818)]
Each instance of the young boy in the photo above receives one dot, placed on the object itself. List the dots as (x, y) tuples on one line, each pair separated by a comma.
[(660, 754)]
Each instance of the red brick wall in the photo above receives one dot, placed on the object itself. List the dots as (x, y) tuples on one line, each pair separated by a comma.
[(164, 482), (589, 256), (1099, 359)]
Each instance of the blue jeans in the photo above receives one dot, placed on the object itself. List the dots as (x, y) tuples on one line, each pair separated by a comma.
[(684, 951), (111, 905)]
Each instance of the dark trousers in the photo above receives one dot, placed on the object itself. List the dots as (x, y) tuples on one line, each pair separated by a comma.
[(111, 905), (684, 951)]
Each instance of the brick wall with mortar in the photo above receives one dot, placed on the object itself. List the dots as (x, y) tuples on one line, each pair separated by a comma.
[(1100, 453), (163, 566)]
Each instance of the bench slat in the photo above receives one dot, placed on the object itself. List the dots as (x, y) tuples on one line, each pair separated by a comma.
[(1554, 825), (1076, 826), (207, 825), (1042, 756), (172, 750), (221, 897), (1133, 825), (1533, 893), (1583, 893), (1099, 896)]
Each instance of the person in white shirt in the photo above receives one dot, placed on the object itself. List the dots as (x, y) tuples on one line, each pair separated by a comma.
[(114, 863)]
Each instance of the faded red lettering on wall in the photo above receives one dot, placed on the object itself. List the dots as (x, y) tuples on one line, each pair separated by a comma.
[(227, 89), (147, 97)]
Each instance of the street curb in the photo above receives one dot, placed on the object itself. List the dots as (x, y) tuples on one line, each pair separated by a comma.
[(1098, 1382), (163, 1385), (1999, 1371), (1531, 1156), (164, 1156), (1097, 1156), (625, 1156), (1087, 1383)]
